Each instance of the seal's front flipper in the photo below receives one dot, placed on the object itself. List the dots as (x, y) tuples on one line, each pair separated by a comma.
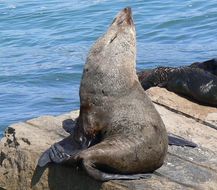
[(44, 159), (69, 125), (179, 141), (102, 176), (60, 152), (54, 154), (57, 154)]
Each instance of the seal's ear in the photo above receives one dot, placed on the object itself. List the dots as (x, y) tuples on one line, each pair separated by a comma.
[(180, 141)]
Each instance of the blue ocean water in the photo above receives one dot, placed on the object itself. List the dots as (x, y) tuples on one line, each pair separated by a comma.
[(43, 46)]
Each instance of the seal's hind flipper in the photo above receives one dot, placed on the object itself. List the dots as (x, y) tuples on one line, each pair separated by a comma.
[(179, 141), (102, 176)]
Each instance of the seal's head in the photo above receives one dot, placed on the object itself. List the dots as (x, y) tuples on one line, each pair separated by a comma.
[(122, 30), (117, 44)]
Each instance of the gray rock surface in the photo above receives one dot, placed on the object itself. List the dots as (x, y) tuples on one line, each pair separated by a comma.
[(184, 168), (204, 114)]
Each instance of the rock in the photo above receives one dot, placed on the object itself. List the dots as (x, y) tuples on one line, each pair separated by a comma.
[(184, 168), (156, 182), (188, 128), (204, 114)]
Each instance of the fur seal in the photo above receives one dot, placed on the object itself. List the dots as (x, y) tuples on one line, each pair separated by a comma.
[(118, 134), (115, 109), (197, 81)]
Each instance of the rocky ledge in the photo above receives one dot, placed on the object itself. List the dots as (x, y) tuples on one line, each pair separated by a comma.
[(184, 168)]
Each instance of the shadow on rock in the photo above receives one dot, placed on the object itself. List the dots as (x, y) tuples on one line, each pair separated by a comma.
[(65, 177), (37, 175)]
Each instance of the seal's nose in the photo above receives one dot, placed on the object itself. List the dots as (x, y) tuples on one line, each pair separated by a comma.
[(124, 17), (127, 10)]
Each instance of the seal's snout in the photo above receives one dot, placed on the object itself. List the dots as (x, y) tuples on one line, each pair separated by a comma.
[(127, 10), (124, 17)]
